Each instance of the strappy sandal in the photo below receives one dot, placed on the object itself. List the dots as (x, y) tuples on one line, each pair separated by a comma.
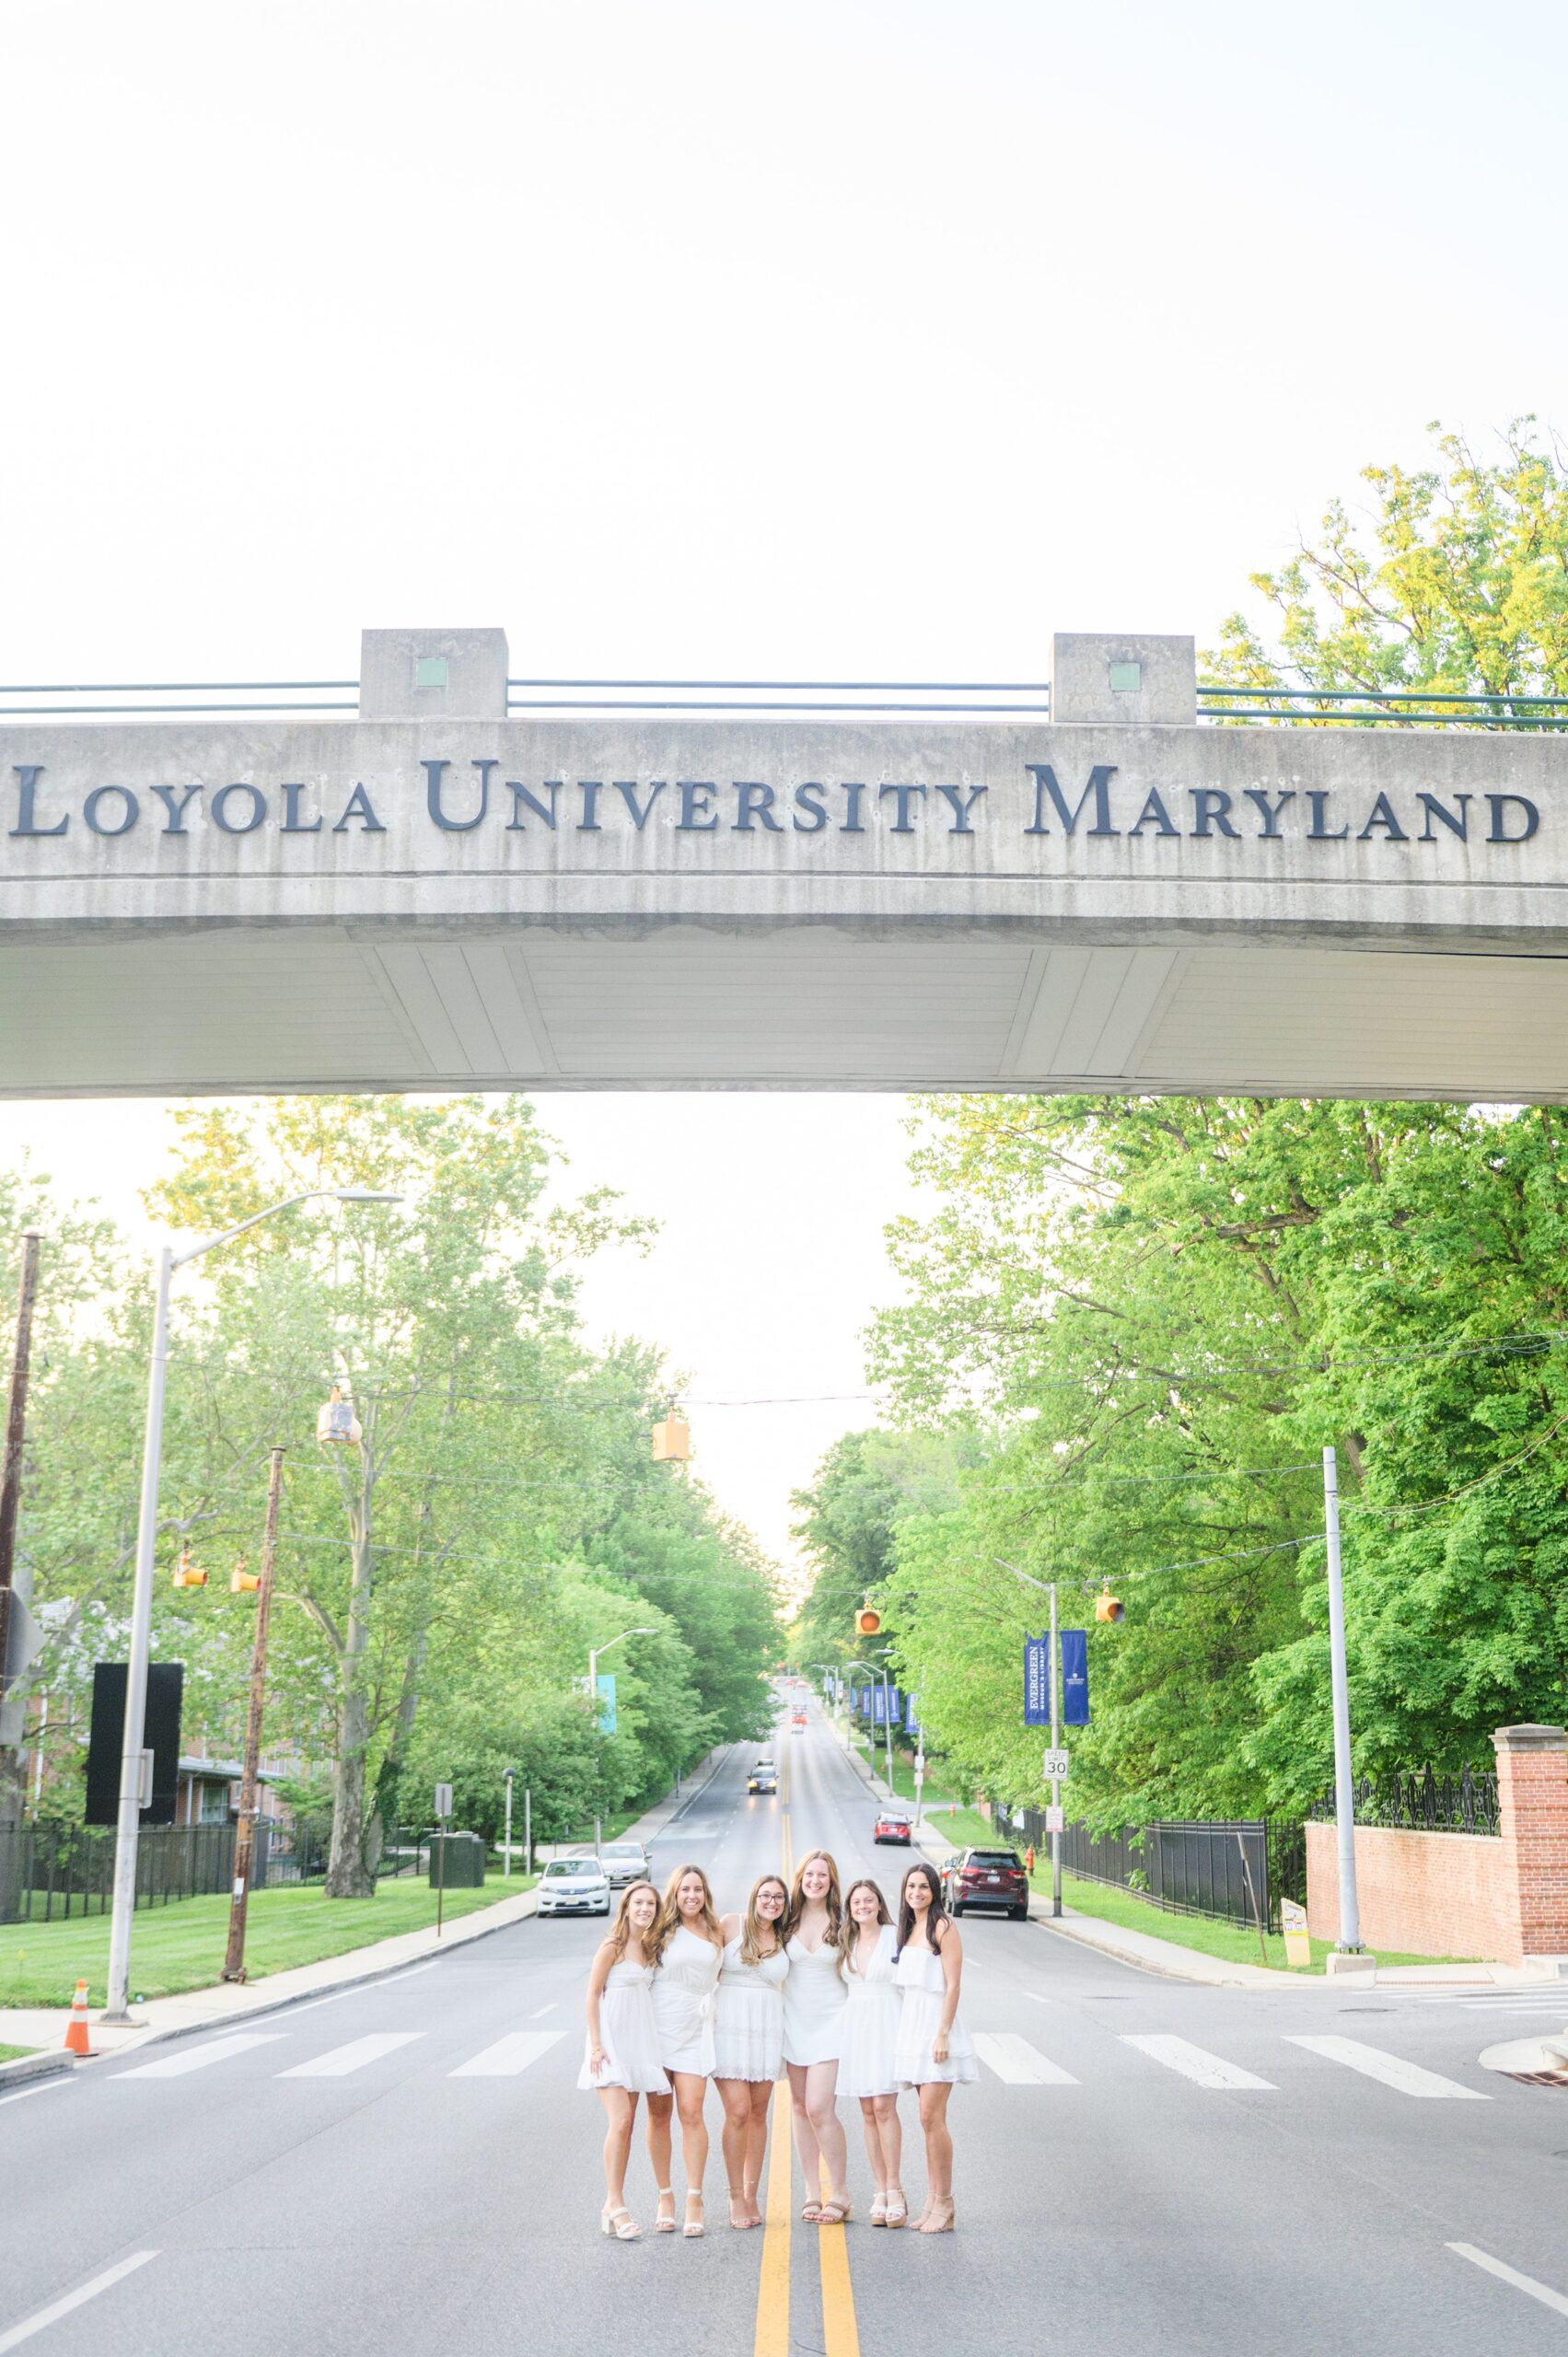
[(941, 2225), (897, 2209), (619, 2225), (838, 2211), (693, 2227), (811, 2211), (663, 2226), (880, 2210), (739, 2202)]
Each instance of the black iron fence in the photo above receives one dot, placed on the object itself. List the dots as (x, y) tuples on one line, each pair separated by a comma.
[(52, 1869), (1236, 1869), (1422, 1801)]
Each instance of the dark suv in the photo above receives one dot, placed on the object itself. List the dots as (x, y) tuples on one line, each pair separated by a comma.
[(986, 1878)]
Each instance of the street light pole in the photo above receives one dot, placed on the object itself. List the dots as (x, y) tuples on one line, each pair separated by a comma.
[(245, 1838), (1344, 1788), (128, 1826), (506, 1837), (594, 1654)]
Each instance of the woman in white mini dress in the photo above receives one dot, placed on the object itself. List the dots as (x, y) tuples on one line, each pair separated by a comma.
[(866, 2057), (621, 2061), (934, 2053), (749, 2038), (814, 1998), (692, 1947)]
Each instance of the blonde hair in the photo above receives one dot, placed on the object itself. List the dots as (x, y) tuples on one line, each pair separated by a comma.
[(620, 1936), (670, 1918), (849, 1931), (751, 1925), (798, 1896)]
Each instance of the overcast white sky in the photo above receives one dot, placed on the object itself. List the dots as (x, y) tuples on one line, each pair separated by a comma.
[(871, 339)]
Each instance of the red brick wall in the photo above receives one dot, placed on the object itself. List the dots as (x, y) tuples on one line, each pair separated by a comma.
[(1532, 1790), (1420, 1894)]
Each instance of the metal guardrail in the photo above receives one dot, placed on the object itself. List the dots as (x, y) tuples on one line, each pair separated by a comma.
[(1379, 708), (1030, 697), (251, 692)]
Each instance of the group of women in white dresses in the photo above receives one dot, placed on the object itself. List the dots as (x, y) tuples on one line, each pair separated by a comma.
[(807, 1980)]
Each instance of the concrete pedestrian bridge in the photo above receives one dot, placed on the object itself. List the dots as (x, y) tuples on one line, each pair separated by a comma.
[(435, 890)]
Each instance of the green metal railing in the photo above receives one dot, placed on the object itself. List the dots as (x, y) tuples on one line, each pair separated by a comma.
[(1379, 708)]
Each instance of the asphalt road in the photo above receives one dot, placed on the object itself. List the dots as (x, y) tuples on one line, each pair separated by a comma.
[(1143, 2165)]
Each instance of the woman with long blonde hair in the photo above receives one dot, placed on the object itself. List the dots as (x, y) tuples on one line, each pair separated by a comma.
[(621, 2061), (814, 1998), (748, 2038), (690, 1950), (867, 2070)]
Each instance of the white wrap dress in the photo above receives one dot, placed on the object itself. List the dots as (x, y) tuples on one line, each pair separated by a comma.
[(814, 1997), (869, 2035), (919, 1975), (683, 2003), (627, 2034), (748, 2016)]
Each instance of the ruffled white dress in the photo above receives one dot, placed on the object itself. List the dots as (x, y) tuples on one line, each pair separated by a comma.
[(919, 1976), (814, 1997), (627, 2034), (748, 2016), (683, 2003), (870, 2033)]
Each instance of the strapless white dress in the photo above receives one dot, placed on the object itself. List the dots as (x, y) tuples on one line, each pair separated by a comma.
[(748, 2016), (919, 1976), (870, 2034), (683, 2003), (627, 2034), (814, 1998)]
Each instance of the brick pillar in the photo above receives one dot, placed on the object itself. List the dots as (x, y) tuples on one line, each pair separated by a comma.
[(1532, 1791)]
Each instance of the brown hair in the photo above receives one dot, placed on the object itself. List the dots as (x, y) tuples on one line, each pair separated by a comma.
[(797, 1897), (670, 1918), (751, 1925), (937, 1917), (618, 1939), (849, 1934)]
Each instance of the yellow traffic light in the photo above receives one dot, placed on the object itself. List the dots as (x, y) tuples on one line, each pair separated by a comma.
[(867, 1621), (241, 1582), (187, 1573), (672, 1439), (1108, 1606)]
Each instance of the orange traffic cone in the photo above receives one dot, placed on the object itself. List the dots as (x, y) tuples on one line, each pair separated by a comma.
[(76, 2027)]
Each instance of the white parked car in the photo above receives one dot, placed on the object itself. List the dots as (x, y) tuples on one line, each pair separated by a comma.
[(573, 1887)]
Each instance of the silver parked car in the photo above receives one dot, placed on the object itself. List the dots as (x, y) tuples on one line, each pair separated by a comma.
[(624, 1862), (573, 1887)]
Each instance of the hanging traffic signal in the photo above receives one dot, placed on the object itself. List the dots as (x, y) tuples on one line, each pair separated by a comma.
[(867, 1621), (241, 1582), (1108, 1606), (672, 1439), (335, 1419), (186, 1573)]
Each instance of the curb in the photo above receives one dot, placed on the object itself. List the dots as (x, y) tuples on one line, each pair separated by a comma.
[(35, 2066)]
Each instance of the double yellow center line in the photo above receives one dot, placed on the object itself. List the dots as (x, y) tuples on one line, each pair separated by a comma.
[(841, 2335)]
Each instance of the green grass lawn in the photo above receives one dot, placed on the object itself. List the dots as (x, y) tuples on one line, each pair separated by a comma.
[(181, 1946), (15, 2053), (1230, 1942)]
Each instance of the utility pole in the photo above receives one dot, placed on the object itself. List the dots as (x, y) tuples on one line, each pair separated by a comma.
[(887, 1725), (10, 1498), (1056, 1780), (528, 1829), (508, 1779), (1344, 1789), (245, 1838)]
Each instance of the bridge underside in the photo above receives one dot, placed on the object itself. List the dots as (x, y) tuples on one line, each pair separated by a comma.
[(235, 1009)]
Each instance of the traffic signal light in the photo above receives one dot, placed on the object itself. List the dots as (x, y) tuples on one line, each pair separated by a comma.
[(1108, 1606), (867, 1621), (672, 1441), (187, 1573), (241, 1582)]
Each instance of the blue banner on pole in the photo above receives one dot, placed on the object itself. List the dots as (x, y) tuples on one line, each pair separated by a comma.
[(912, 1724), (1037, 1681), (607, 1714), (1074, 1679)]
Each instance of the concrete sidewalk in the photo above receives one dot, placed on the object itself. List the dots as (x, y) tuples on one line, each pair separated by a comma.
[(229, 2002)]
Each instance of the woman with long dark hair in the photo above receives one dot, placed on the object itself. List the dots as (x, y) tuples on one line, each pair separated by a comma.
[(621, 2060), (934, 2050), (748, 2038), (690, 1948), (867, 2070), (814, 1998)]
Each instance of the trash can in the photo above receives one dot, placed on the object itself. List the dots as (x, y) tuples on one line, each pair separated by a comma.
[(457, 1860)]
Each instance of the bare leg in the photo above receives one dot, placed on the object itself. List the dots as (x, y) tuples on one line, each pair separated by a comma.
[(821, 2109), (619, 2112), (870, 2128), (691, 2092), (735, 2096), (757, 2148), (938, 2155), (807, 2151), (890, 2126), (659, 2151)]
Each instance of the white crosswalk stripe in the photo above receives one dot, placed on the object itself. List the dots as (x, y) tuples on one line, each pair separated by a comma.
[(1018, 2064), (508, 2055), (339, 2060), (197, 2057), (1390, 2069), (1194, 2062)]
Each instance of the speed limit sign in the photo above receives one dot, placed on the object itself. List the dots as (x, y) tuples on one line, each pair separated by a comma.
[(1057, 1764)]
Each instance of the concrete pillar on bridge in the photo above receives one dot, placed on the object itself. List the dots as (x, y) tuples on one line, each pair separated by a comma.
[(432, 675), (1138, 681)]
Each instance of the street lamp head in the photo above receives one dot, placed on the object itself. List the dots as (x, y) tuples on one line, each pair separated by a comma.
[(364, 1195)]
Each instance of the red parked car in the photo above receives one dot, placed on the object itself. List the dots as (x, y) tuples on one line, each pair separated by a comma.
[(987, 1878), (892, 1826)]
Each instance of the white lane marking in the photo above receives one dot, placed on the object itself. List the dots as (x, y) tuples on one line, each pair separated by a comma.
[(339, 2060), (196, 2058), (58, 2309), (1390, 2069), (1196, 2063), (1017, 2062), (553, 2007), (60, 2079), (1541, 2292), (508, 2055)]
